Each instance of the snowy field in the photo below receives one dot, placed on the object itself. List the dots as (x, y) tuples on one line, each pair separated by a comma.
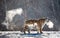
[(18, 34)]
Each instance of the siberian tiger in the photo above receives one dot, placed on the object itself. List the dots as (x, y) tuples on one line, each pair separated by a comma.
[(37, 24)]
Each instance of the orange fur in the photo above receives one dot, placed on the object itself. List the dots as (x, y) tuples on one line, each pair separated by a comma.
[(39, 22)]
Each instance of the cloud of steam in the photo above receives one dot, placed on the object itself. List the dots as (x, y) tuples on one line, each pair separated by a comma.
[(50, 24), (10, 15)]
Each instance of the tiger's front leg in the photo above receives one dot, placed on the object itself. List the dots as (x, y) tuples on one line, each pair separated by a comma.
[(39, 30)]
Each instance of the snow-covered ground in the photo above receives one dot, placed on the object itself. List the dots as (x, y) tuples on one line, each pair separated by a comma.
[(18, 34)]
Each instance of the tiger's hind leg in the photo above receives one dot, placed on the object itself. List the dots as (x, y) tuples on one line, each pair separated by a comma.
[(26, 29)]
